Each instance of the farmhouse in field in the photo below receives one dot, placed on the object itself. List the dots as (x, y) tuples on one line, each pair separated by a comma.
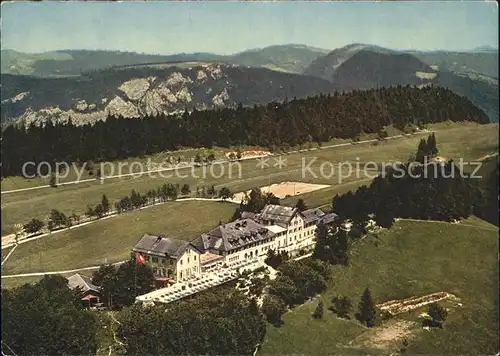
[(91, 294)]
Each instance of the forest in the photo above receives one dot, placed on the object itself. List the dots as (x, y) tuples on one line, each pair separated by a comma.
[(292, 122), (432, 191)]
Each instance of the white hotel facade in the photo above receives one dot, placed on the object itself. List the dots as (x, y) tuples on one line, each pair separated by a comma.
[(234, 244)]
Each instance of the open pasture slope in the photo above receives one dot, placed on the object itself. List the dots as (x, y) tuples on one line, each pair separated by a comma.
[(469, 141), (413, 258), (111, 240)]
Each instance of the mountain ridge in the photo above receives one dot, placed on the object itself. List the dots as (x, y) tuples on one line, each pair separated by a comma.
[(137, 92), (254, 78), (74, 62)]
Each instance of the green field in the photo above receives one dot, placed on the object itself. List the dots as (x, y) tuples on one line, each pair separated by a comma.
[(410, 259), (125, 166), (186, 155), (468, 141), (19, 281), (111, 240)]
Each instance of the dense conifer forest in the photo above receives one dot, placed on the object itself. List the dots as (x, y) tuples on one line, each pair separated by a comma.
[(292, 122), (433, 191)]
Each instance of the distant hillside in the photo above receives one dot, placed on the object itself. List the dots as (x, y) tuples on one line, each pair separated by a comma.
[(481, 93), (470, 63), (482, 61), (84, 61), (13, 62), (74, 62), (368, 69), (360, 66), (87, 85), (136, 92), (325, 66), (292, 122), (288, 58)]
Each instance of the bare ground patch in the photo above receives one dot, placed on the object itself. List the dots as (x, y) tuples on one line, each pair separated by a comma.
[(284, 189), (388, 336), (249, 154), (394, 307)]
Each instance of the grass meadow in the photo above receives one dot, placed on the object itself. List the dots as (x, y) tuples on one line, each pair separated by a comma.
[(468, 141), (410, 259), (111, 240)]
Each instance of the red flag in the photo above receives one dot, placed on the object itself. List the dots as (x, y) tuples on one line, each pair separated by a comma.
[(140, 259)]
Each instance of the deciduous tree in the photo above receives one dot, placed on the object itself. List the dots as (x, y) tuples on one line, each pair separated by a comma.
[(34, 225), (47, 318), (273, 308)]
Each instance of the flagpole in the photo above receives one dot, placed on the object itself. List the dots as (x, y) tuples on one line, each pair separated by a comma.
[(135, 278)]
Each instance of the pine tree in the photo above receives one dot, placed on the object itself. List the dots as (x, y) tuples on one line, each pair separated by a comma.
[(301, 205), (431, 142), (105, 204), (53, 181), (421, 151), (366, 313), (322, 117)]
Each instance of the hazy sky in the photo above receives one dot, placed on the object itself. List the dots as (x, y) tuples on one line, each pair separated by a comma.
[(228, 27)]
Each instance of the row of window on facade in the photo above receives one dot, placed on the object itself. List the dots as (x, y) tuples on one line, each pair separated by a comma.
[(162, 272), (163, 260)]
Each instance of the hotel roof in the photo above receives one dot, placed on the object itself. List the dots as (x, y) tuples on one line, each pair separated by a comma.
[(278, 214), (161, 246), (233, 235), (311, 215), (83, 282)]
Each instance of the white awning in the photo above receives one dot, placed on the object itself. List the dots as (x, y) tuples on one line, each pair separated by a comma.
[(275, 228)]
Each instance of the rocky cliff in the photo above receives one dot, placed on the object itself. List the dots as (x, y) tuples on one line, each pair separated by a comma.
[(145, 91)]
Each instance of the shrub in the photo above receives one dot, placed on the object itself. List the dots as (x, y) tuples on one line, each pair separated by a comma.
[(438, 315), (341, 306), (318, 312)]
